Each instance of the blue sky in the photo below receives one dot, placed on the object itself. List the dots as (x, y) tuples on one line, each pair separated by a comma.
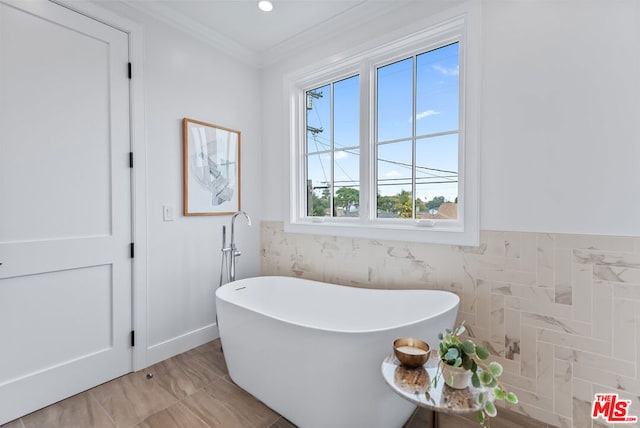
[(436, 111)]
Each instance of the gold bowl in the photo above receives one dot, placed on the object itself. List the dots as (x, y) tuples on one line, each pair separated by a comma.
[(411, 352)]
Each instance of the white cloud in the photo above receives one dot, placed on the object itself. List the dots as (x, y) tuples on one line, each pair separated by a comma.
[(393, 174), (446, 70), (340, 155), (424, 114)]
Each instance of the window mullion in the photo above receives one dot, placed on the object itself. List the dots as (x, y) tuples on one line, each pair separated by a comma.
[(364, 143), (304, 168), (413, 137), (332, 188), (372, 142)]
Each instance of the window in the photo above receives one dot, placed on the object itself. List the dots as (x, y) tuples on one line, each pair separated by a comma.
[(383, 144), (333, 149), (417, 136)]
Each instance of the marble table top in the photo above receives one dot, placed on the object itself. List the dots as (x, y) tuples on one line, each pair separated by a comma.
[(415, 385)]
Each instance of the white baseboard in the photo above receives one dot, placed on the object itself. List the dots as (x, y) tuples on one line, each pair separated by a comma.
[(182, 343)]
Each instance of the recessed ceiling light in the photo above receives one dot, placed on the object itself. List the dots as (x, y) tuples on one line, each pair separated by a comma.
[(265, 5)]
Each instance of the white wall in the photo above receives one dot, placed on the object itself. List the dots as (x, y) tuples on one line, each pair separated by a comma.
[(558, 109), (560, 117), (184, 77)]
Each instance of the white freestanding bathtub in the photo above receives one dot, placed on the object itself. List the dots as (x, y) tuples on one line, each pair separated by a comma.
[(312, 351)]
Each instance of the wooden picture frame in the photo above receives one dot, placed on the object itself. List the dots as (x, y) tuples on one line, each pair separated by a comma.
[(211, 169)]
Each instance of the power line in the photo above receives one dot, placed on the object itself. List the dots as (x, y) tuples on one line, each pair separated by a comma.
[(403, 164), (381, 181), (321, 165)]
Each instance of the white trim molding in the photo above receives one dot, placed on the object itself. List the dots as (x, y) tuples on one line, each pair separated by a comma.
[(176, 345)]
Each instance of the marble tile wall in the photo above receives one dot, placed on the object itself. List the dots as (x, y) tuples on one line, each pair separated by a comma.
[(561, 312)]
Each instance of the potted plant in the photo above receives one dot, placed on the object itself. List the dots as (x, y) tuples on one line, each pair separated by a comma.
[(460, 360)]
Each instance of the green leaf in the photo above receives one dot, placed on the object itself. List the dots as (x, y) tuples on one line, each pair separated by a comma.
[(482, 352), (466, 362), (457, 362), (485, 377), (452, 354), (440, 336), (499, 393), (511, 398), (460, 330), (481, 398), (493, 383), (475, 381), (474, 366), (496, 368), (490, 408), (469, 347), (480, 417)]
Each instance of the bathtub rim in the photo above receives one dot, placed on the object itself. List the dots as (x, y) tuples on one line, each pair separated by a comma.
[(333, 330)]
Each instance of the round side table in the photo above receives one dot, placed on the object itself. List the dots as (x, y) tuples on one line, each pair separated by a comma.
[(416, 386)]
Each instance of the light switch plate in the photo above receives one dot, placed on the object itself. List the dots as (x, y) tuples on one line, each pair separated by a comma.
[(168, 213)]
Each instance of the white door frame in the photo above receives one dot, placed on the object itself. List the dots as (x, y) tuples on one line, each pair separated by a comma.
[(139, 173)]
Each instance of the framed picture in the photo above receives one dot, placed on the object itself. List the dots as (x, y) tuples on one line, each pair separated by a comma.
[(211, 169)]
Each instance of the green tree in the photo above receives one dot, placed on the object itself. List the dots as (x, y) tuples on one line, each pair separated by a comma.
[(385, 203), (435, 202), (404, 204), (346, 197), (320, 204), (399, 205)]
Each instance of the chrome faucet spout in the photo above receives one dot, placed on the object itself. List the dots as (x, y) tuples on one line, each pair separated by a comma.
[(232, 245), (233, 224), (236, 214)]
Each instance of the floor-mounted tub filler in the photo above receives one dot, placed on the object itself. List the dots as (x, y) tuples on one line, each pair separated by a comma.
[(312, 351)]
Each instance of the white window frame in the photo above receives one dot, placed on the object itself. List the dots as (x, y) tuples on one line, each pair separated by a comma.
[(463, 28)]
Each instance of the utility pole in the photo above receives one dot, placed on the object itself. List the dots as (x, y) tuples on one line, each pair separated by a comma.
[(309, 197)]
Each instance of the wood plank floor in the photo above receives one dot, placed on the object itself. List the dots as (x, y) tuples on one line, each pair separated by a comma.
[(190, 390)]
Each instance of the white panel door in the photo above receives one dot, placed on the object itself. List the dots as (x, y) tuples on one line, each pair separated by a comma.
[(65, 205)]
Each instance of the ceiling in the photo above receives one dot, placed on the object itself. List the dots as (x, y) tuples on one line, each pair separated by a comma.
[(258, 38), (243, 22)]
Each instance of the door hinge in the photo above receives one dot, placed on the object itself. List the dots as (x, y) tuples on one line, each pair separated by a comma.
[(132, 245), (133, 338), (130, 159), (129, 69)]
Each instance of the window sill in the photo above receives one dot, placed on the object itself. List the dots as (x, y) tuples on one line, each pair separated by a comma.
[(439, 233)]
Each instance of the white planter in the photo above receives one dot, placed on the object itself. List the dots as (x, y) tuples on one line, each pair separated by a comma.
[(455, 377)]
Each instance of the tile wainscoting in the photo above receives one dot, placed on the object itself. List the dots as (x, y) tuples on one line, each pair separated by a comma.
[(560, 312)]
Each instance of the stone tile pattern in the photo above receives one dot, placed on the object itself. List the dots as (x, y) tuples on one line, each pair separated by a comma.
[(561, 312)]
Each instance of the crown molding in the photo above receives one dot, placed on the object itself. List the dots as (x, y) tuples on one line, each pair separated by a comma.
[(195, 29), (331, 28)]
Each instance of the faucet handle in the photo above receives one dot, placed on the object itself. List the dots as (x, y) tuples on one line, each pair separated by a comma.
[(237, 253)]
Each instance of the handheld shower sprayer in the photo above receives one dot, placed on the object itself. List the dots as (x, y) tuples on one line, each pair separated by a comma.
[(224, 266)]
